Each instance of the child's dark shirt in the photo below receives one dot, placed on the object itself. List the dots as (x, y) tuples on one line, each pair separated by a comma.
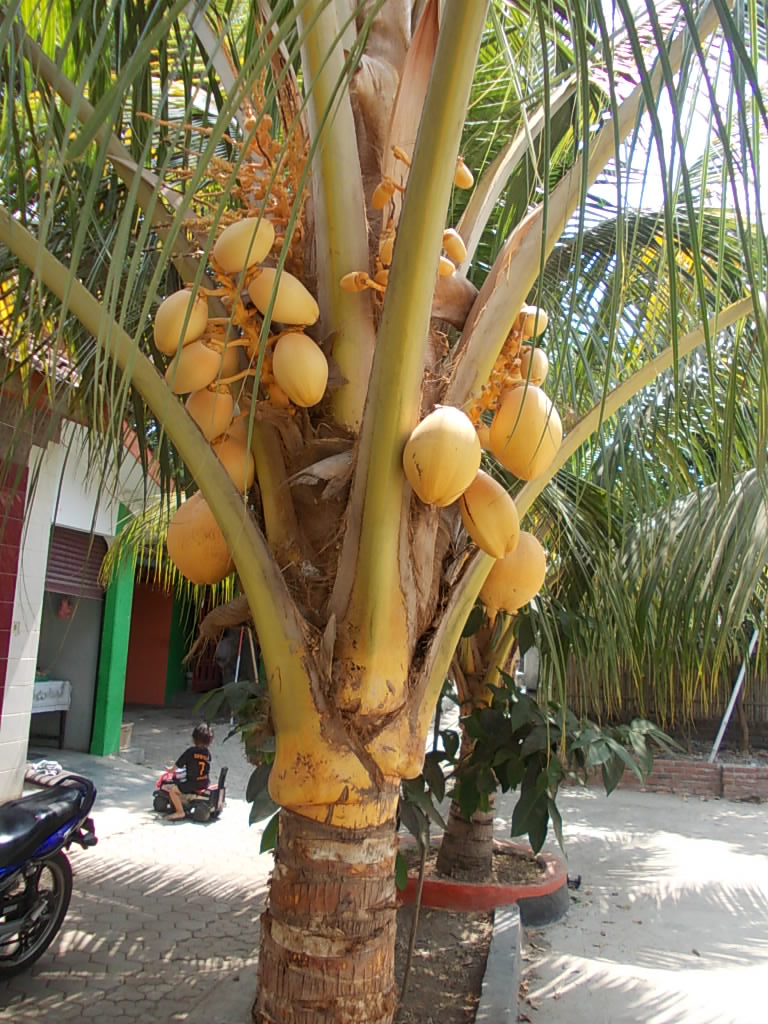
[(193, 770)]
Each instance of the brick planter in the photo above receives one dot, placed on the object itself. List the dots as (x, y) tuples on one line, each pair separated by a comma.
[(540, 902), (690, 777)]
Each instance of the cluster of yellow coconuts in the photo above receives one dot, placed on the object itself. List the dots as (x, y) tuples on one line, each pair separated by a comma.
[(442, 458), (204, 361)]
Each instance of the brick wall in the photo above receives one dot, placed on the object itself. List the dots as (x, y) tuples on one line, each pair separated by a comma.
[(689, 777), (12, 499)]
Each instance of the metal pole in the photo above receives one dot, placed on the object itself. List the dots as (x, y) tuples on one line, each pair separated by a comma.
[(734, 695)]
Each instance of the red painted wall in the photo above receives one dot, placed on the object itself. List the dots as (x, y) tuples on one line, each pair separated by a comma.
[(12, 501), (147, 668)]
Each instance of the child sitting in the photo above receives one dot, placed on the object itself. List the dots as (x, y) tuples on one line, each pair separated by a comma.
[(193, 770)]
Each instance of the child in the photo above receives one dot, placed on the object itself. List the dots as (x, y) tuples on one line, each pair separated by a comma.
[(193, 770)]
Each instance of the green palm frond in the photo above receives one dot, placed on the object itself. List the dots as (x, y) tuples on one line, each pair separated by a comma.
[(651, 621)]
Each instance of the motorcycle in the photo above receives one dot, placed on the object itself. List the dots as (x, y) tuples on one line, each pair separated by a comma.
[(35, 873), (198, 806)]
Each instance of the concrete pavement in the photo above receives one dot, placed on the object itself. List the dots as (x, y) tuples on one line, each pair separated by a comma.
[(163, 915), (670, 925)]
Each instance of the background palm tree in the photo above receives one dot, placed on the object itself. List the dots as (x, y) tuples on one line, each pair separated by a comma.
[(131, 135)]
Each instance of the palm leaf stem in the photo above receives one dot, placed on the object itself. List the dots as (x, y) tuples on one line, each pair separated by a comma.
[(275, 615), (499, 653), (370, 554), (493, 181), (150, 187), (341, 236), (466, 589), (622, 393), (518, 264)]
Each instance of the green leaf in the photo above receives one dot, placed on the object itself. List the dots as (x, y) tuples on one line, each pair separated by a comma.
[(626, 757), (415, 821), (537, 740), (257, 783), (467, 797), (269, 835), (261, 806), (538, 824), (557, 822), (451, 742), (433, 773), (485, 781), (475, 620), (612, 771)]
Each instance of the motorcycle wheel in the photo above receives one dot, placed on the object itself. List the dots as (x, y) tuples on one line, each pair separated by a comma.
[(49, 890), (199, 811), (161, 802)]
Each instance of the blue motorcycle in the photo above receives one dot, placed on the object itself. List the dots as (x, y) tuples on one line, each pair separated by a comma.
[(35, 873)]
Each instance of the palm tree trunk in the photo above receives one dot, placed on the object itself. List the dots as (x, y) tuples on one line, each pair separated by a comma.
[(466, 849), (328, 937)]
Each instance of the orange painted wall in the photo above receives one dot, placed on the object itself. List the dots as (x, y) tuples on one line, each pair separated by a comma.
[(147, 668)]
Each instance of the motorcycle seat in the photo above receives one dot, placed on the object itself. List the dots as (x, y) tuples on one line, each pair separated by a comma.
[(26, 823)]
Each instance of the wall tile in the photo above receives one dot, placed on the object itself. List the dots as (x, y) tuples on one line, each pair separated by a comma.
[(13, 727), (18, 699), (11, 784), (21, 671), (9, 557), (13, 755)]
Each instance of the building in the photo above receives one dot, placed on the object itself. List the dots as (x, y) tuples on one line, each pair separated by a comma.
[(71, 653)]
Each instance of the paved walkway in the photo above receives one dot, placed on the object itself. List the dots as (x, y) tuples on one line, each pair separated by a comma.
[(164, 920), (670, 925)]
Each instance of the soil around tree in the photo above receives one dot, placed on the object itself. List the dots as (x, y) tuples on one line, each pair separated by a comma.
[(508, 867), (448, 964), (451, 950)]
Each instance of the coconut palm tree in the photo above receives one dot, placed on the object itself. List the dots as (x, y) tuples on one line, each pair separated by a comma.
[(134, 134)]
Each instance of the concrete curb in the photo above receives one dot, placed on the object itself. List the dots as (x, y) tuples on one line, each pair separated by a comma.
[(228, 1002), (501, 984)]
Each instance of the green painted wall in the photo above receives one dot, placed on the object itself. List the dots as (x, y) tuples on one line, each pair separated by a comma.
[(177, 648), (113, 657)]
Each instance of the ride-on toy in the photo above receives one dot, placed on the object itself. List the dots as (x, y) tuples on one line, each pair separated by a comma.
[(198, 806)]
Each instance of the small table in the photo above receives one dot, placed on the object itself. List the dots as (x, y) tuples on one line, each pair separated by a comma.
[(53, 695)]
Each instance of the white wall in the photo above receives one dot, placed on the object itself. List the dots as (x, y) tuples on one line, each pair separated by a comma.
[(25, 626), (58, 491), (80, 497)]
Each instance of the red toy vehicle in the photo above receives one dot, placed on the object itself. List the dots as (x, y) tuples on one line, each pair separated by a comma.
[(198, 806)]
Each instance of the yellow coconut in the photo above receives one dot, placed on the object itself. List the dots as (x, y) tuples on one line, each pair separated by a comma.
[(534, 364), (446, 267), (526, 432), (211, 409), (243, 244), (238, 428), (463, 177), (195, 367), (442, 456), (454, 246), (490, 516), (517, 578), (236, 459), (300, 368), (293, 303), (277, 397), (534, 321), (170, 331), (230, 361), (484, 435), (195, 543)]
